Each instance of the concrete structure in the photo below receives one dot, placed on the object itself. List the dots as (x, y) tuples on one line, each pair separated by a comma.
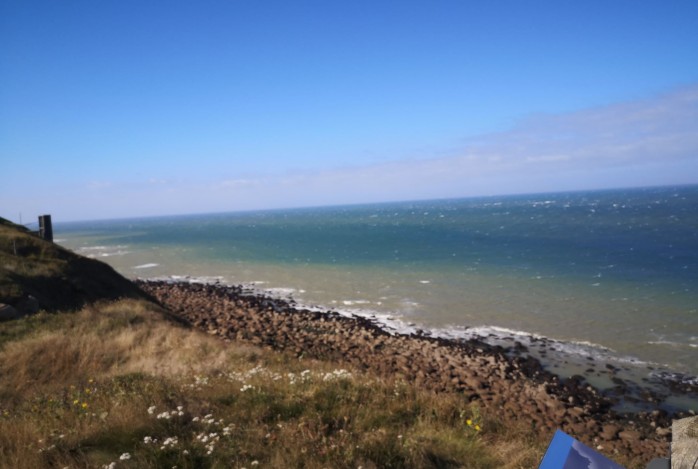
[(45, 228), (684, 443)]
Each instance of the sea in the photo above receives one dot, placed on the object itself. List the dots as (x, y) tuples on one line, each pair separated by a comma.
[(598, 277)]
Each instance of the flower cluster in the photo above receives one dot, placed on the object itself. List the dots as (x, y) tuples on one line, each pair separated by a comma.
[(337, 375), (208, 437), (199, 383), (170, 442), (207, 419), (167, 415), (473, 421), (80, 395), (258, 370), (303, 377), (209, 440), (112, 465)]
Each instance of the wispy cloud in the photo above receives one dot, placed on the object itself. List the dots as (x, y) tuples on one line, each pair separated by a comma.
[(649, 141), (645, 142)]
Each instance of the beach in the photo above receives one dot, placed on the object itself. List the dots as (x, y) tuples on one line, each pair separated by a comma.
[(503, 380)]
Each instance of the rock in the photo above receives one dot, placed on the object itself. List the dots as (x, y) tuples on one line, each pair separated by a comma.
[(515, 388), (28, 305), (629, 435), (8, 312), (610, 431)]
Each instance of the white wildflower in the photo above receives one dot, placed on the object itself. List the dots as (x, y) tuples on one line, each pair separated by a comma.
[(337, 374), (151, 409), (125, 456), (169, 442)]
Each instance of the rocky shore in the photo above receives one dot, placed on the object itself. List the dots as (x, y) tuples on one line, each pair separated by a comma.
[(513, 387)]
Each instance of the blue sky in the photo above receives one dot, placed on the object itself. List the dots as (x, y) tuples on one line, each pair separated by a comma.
[(129, 108)]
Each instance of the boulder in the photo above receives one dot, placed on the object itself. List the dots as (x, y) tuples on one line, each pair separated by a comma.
[(8, 312), (28, 305)]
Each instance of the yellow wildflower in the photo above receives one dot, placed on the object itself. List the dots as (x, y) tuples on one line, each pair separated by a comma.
[(84, 405), (477, 428), (469, 422)]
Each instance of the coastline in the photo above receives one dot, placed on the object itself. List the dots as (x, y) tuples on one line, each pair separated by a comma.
[(505, 380)]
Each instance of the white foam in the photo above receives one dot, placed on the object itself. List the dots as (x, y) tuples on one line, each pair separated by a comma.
[(672, 344), (111, 254), (495, 335), (103, 248), (103, 251), (92, 248), (355, 302), (187, 279), (146, 266), (278, 292), (425, 281)]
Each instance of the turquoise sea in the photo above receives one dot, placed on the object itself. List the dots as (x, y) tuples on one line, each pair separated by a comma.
[(609, 275)]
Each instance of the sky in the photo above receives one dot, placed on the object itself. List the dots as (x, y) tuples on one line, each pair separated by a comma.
[(115, 109)]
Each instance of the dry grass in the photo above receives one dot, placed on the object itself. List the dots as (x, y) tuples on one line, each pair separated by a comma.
[(76, 389)]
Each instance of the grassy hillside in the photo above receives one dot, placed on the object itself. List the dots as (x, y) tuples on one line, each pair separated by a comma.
[(59, 279)]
